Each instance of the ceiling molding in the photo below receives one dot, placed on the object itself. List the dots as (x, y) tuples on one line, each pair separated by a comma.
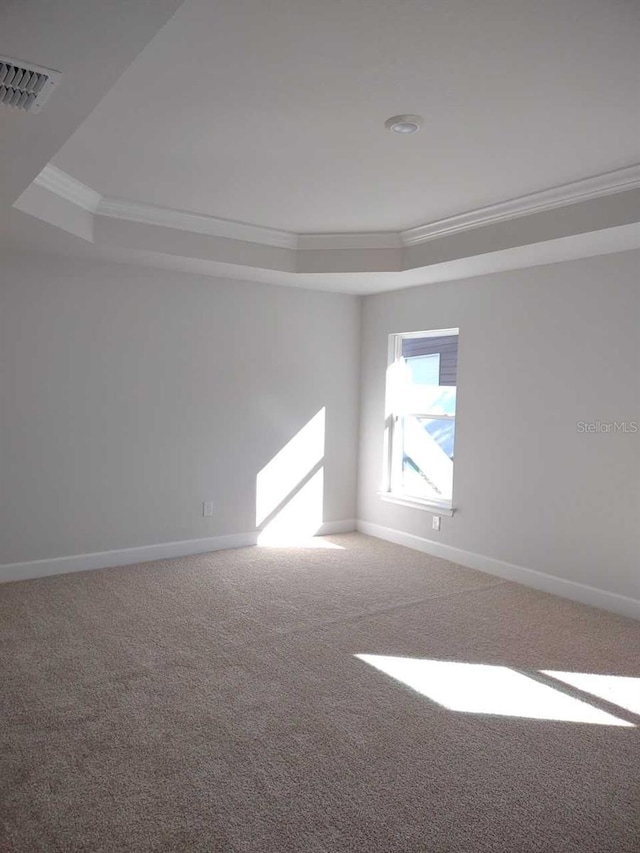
[(197, 223), (561, 196), (67, 187), (63, 185), (614, 228), (362, 240)]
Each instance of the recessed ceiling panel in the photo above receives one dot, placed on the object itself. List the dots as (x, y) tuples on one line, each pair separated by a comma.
[(273, 113)]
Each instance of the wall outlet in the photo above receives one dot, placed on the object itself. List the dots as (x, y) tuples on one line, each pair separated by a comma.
[(207, 509), (435, 522)]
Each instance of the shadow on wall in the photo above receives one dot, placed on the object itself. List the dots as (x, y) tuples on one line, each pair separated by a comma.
[(290, 489)]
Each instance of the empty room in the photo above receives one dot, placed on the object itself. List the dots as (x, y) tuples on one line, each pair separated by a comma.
[(320, 426)]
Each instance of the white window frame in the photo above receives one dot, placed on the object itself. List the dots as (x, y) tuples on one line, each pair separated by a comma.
[(392, 466)]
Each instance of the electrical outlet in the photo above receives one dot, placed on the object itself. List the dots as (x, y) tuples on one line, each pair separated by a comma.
[(435, 523), (207, 509)]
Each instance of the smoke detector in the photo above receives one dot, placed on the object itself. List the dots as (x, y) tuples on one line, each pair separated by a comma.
[(24, 85), (404, 124)]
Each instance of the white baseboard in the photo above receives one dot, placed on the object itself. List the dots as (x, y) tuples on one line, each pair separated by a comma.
[(332, 527), (144, 553), (529, 577)]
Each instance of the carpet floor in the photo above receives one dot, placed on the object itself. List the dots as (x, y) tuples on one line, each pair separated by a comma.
[(218, 703)]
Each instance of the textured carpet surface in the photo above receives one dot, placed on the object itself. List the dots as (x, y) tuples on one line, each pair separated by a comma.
[(215, 703)]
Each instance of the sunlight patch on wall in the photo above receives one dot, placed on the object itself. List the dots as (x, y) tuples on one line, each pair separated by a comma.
[(288, 468), (485, 689), (300, 518)]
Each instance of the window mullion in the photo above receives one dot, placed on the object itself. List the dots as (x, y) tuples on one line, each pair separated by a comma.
[(432, 417)]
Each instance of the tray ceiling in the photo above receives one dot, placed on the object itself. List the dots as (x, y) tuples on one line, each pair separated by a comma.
[(272, 114)]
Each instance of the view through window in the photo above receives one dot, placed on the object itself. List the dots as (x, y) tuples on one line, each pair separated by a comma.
[(421, 416)]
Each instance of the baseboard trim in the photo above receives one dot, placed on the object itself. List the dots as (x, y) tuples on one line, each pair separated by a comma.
[(144, 553), (582, 593), (333, 527)]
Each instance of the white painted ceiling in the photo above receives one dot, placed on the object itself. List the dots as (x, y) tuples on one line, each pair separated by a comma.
[(91, 42), (272, 113)]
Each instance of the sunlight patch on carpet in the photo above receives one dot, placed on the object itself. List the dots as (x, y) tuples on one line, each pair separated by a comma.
[(621, 690), (474, 688)]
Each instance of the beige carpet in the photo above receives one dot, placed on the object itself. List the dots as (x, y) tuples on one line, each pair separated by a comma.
[(215, 703)]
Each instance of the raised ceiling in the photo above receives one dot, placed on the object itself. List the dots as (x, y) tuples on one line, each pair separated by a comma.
[(273, 113), (247, 140)]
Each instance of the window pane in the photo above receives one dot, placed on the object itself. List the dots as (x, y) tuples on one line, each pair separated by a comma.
[(442, 432), (444, 346), (427, 457), (433, 400), (410, 396), (425, 369), (420, 410)]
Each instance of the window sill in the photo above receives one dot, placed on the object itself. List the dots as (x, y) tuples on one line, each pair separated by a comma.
[(417, 503)]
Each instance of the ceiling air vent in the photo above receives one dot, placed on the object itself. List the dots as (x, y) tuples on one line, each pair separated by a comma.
[(24, 85)]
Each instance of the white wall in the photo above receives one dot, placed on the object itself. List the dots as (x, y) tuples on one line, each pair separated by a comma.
[(540, 350), (129, 395)]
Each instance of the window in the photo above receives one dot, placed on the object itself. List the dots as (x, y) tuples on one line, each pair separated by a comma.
[(421, 418)]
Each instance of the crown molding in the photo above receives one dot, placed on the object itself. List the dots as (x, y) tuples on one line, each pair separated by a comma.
[(560, 196), (67, 187), (359, 240), (197, 223), (63, 185)]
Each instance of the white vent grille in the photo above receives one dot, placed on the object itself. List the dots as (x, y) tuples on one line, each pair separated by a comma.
[(25, 86)]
